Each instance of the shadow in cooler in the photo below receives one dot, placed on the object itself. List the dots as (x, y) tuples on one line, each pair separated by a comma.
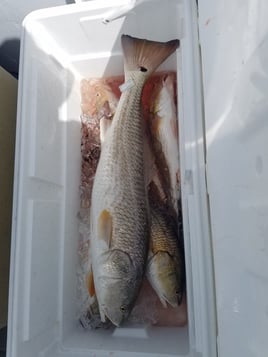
[(9, 56), (3, 341)]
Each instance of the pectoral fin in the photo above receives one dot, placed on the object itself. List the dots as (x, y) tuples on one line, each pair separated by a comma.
[(90, 284), (105, 227)]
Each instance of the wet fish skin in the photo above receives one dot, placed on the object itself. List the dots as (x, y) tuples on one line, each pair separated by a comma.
[(165, 266), (164, 131), (119, 212)]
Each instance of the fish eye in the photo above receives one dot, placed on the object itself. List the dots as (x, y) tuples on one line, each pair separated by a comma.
[(123, 308), (97, 94)]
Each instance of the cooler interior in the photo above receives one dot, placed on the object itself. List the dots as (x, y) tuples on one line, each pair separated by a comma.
[(60, 47)]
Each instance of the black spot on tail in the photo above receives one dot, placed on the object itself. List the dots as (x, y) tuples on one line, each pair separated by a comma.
[(143, 69)]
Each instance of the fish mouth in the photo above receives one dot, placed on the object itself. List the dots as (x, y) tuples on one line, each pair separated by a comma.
[(105, 315), (172, 302)]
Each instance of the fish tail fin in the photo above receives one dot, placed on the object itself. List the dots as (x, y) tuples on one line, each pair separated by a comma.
[(145, 55)]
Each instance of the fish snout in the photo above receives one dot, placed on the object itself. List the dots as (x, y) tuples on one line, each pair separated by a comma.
[(174, 299), (116, 317)]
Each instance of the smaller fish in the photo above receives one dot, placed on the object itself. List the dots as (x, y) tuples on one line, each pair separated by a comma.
[(165, 264), (164, 133), (150, 311)]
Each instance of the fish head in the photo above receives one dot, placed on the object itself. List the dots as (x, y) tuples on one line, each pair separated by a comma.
[(165, 276), (117, 286)]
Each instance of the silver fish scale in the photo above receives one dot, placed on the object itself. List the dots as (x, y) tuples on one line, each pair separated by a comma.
[(119, 182)]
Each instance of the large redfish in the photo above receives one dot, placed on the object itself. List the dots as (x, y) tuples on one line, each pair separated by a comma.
[(119, 211)]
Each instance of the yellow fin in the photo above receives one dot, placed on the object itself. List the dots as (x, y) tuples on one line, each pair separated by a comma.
[(90, 284), (105, 228)]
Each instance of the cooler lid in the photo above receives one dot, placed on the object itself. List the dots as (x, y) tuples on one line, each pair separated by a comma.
[(234, 47)]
